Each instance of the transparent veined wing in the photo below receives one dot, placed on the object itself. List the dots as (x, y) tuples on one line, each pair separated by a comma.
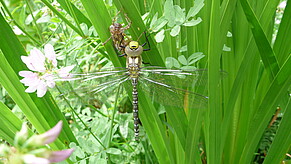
[(86, 85), (169, 86)]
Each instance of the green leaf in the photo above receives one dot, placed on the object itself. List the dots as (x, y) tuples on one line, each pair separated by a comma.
[(179, 14), (183, 60), (195, 57), (225, 48), (159, 37), (169, 12), (113, 151), (195, 9), (192, 22), (157, 25), (172, 62), (265, 49), (175, 31)]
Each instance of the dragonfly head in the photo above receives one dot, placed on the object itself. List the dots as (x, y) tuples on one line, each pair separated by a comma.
[(133, 45), (133, 49)]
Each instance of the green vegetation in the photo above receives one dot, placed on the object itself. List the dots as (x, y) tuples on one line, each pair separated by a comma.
[(244, 47)]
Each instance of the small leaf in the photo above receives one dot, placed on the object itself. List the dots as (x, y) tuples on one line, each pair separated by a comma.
[(123, 128), (179, 15), (159, 37), (195, 9), (195, 57), (169, 10), (160, 23), (183, 49), (172, 62), (55, 20), (193, 22), (145, 16), (113, 151), (84, 28), (225, 48), (183, 60), (153, 21), (229, 34), (175, 31)]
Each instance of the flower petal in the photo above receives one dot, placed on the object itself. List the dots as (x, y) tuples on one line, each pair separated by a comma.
[(51, 134), (35, 61), (26, 73), (50, 54), (30, 78), (49, 80), (58, 156), (31, 89), (41, 89), (64, 72)]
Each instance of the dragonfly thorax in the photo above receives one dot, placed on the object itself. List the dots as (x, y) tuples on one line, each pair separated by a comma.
[(133, 66), (133, 49)]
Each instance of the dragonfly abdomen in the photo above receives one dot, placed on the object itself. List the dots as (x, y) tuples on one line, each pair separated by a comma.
[(135, 107)]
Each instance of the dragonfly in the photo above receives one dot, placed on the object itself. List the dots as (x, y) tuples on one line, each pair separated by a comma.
[(158, 82)]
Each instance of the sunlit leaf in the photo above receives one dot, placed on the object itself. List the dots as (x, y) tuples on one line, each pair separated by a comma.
[(198, 4), (159, 37), (195, 57), (179, 14), (193, 22), (175, 31), (172, 62), (182, 59), (160, 23)]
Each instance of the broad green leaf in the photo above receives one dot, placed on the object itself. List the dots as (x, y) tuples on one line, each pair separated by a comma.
[(267, 55)]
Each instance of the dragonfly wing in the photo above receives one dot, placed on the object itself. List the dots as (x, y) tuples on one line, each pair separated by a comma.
[(169, 95), (89, 84), (197, 77)]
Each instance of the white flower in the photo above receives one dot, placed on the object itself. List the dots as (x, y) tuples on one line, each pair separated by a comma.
[(44, 71)]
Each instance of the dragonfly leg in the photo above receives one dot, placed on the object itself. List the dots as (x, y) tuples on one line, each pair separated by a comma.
[(147, 42)]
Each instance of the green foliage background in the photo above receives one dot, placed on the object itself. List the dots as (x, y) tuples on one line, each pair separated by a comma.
[(241, 105)]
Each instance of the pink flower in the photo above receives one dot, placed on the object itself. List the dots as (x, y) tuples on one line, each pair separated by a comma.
[(51, 134), (47, 137), (58, 156), (44, 71), (31, 150)]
